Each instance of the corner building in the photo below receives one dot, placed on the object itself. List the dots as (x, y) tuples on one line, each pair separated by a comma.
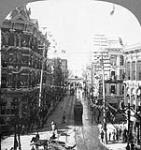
[(22, 59)]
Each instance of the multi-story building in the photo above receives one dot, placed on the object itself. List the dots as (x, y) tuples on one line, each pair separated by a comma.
[(132, 83), (114, 87), (24, 59), (107, 61), (108, 56)]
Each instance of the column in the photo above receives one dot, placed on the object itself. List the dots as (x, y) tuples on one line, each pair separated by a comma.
[(136, 103), (125, 94), (131, 69), (136, 70), (118, 67), (92, 75), (108, 89)]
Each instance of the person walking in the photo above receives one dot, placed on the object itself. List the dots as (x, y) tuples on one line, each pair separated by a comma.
[(117, 135), (109, 136), (54, 129), (114, 136), (102, 135), (124, 135), (64, 117)]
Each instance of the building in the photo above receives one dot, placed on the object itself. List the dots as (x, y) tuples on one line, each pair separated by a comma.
[(24, 61), (108, 55), (107, 62), (63, 66), (114, 87), (132, 84)]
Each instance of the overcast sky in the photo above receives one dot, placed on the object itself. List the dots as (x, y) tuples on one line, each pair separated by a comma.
[(73, 24)]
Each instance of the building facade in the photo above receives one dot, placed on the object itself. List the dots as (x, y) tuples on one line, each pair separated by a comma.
[(24, 57), (107, 57), (133, 88)]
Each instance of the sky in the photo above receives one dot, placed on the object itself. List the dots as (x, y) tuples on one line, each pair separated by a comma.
[(73, 24)]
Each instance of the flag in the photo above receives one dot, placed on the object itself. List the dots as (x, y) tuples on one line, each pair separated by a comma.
[(113, 10), (120, 41)]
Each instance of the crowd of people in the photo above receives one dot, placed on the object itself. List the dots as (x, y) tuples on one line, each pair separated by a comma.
[(115, 135)]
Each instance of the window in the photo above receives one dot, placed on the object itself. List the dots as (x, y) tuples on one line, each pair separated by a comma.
[(121, 60), (139, 75), (133, 71), (113, 89), (112, 73)]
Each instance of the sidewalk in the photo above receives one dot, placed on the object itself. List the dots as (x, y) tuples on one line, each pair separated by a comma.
[(116, 146)]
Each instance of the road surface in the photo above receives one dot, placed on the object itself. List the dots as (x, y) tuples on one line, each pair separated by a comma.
[(81, 137)]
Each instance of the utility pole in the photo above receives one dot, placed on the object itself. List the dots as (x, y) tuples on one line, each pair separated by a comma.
[(128, 133), (104, 101), (41, 77), (42, 69)]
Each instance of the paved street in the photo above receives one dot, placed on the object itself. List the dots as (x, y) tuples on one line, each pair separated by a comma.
[(81, 137)]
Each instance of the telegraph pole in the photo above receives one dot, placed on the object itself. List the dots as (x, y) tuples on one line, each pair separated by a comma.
[(41, 77), (128, 133), (104, 102)]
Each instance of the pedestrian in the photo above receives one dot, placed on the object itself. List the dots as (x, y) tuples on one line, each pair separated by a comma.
[(109, 136), (120, 132), (102, 135), (117, 134), (64, 117), (54, 129), (124, 135), (37, 136), (114, 136)]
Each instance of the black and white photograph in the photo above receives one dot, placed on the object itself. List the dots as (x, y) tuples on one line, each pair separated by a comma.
[(70, 74)]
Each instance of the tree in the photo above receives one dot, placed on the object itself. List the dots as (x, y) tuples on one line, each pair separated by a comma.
[(58, 74)]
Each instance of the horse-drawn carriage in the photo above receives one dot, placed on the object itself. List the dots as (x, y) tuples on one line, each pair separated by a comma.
[(51, 144)]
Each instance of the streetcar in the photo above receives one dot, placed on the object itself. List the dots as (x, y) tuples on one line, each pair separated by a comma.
[(78, 112)]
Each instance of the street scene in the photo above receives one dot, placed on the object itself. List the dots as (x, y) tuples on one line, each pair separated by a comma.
[(70, 75), (75, 135)]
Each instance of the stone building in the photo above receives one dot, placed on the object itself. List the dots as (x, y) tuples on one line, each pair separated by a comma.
[(24, 55), (108, 56), (133, 88)]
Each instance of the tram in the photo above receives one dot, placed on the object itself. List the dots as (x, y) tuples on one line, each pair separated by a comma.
[(78, 112)]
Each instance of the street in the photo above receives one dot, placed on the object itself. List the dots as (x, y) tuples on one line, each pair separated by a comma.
[(81, 137)]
